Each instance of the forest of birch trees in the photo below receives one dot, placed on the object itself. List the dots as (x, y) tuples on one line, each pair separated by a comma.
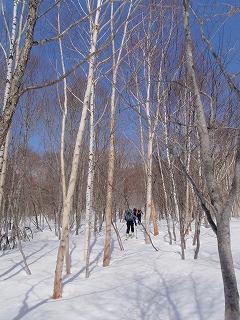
[(114, 104)]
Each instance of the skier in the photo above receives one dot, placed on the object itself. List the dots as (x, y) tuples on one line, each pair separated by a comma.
[(131, 220), (135, 212), (139, 216)]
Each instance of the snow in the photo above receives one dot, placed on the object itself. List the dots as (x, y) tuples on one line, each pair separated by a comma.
[(140, 282)]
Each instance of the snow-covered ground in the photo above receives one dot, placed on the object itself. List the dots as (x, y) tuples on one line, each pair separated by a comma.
[(140, 283)]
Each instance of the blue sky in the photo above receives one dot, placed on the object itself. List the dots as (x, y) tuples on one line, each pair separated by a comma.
[(221, 25), (222, 28)]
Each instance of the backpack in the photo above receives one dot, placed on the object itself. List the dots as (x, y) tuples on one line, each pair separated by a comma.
[(128, 216)]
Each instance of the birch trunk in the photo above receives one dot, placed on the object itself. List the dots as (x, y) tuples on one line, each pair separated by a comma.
[(176, 214), (9, 58), (188, 212), (89, 193), (111, 155), (57, 291), (64, 111), (155, 219), (4, 155), (62, 146), (222, 210), (149, 154), (168, 218), (111, 158), (13, 95), (149, 189)]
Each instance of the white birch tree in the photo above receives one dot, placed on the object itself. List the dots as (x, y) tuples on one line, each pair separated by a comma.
[(89, 192), (116, 59), (222, 209), (11, 61), (12, 93), (57, 291), (64, 110)]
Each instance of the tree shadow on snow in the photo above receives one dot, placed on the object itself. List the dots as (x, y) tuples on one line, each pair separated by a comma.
[(24, 310), (178, 298), (20, 263)]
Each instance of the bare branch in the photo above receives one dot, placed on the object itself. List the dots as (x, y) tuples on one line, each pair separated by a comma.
[(200, 197), (36, 43), (218, 60)]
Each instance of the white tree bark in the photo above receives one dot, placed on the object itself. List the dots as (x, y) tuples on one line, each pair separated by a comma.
[(57, 291), (12, 62), (175, 214), (64, 111), (188, 211), (168, 217), (151, 126), (9, 61), (89, 193), (222, 210), (149, 154), (111, 156), (13, 95)]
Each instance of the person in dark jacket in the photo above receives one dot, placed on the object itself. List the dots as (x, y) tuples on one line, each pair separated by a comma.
[(135, 212), (131, 220), (139, 216)]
